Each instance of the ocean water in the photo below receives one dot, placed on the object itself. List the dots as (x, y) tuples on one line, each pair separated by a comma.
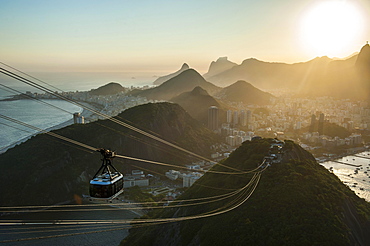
[(33, 113), (44, 117), (80, 81), (356, 178)]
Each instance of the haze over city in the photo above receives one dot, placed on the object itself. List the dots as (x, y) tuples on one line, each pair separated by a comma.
[(158, 36), (172, 123)]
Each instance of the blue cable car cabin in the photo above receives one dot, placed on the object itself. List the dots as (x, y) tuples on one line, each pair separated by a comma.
[(103, 187), (107, 184)]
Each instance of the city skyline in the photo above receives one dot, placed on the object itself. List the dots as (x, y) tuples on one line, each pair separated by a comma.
[(148, 36)]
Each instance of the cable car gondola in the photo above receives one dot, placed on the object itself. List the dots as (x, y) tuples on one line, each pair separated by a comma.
[(107, 185)]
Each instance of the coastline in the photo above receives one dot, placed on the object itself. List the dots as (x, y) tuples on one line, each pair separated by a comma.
[(352, 169), (88, 115), (349, 152)]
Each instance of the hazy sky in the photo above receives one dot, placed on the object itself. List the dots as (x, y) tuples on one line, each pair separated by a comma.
[(158, 35)]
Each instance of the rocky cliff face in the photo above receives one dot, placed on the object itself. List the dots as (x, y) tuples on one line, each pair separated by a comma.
[(222, 64)]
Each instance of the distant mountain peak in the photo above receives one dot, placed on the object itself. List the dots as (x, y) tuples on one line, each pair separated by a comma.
[(241, 82), (199, 91), (165, 78), (191, 71), (251, 60), (108, 89), (220, 65), (222, 58), (184, 66), (363, 59), (242, 91), (183, 82), (196, 102)]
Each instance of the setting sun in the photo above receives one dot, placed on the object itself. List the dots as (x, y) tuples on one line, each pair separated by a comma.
[(331, 26)]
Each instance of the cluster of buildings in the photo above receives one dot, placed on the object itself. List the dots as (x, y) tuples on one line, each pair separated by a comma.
[(192, 174), (110, 105), (314, 138), (242, 118), (135, 178), (315, 135), (234, 136), (288, 115), (188, 178)]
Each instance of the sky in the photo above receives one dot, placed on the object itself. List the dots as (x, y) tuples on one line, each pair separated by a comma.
[(158, 36)]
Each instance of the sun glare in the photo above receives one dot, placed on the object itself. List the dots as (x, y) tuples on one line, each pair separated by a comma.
[(330, 27)]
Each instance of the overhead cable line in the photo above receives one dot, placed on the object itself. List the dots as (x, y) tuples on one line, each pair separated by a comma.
[(147, 222), (234, 205), (33, 84), (15, 128), (129, 206), (252, 184), (19, 71), (9, 89), (182, 167), (120, 156), (47, 132)]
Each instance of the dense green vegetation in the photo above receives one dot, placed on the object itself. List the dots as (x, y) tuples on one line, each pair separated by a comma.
[(137, 195), (58, 170), (297, 202), (330, 129)]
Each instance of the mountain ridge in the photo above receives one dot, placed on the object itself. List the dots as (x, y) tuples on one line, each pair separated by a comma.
[(242, 91), (297, 202), (185, 81), (321, 76), (197, 103), (164, 78), (58, 170), (220, 65), (108, 89)]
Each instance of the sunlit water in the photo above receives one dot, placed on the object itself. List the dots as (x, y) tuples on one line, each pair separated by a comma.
[(41, 116), (356, 178)]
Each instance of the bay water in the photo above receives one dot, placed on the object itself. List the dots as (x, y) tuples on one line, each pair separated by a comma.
[(32, 113)]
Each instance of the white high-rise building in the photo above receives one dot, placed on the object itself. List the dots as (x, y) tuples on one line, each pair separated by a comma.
[(78, 118)]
